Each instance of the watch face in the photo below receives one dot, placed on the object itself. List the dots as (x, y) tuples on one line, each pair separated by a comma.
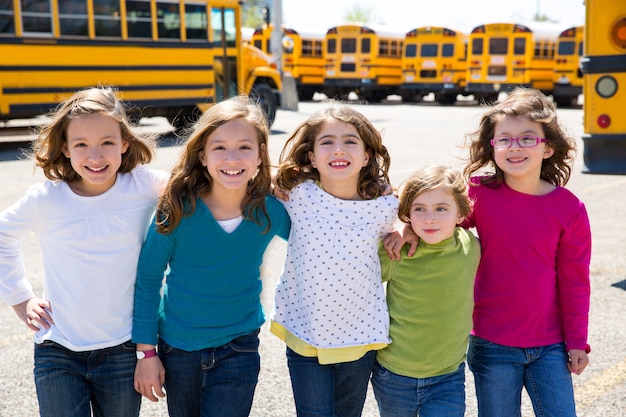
[(140, 355)]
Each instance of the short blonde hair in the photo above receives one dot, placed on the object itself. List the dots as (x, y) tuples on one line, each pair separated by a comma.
[(429, 178)]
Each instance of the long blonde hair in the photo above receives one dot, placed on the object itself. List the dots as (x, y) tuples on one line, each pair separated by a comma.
[(47, 149), (295, 164), (190, 179)]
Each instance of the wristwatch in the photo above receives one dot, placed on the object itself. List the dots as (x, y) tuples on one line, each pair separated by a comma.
[(144, 354)]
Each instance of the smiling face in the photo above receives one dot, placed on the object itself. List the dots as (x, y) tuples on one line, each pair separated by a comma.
[(338, 155), (520, 165), (434, 215), (231, 155), (94, 146)]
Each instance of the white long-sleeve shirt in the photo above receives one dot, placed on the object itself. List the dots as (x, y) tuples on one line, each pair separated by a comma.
[(90, 247)]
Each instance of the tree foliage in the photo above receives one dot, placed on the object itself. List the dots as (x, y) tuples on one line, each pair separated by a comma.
[(252, 13), (358, 14)]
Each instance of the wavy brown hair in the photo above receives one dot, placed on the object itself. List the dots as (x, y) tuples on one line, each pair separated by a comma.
[(47, 149), (534, 105), (190, 179), (296, 167), (429, 178)]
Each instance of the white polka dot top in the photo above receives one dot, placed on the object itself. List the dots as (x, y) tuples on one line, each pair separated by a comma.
[(330, 294)]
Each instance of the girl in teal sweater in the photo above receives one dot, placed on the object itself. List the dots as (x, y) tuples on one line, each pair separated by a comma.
[(212, 226)]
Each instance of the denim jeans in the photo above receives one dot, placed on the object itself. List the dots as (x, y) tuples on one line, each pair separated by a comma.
[(334, 390), (402, 396), (72, 384), (212, 382), (500, 372)]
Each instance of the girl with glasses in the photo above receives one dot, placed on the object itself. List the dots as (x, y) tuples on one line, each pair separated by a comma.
[(532, 287)]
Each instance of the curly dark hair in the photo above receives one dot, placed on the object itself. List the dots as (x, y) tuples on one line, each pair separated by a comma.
[(534, 105), (295, 164)]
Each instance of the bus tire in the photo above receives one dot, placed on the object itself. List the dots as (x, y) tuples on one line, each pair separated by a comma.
[(263, 95), (566, 101), (445, 98)]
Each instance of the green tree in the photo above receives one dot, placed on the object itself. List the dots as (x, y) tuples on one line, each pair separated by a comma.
[(252, 13), (544, 18), (358, 14)]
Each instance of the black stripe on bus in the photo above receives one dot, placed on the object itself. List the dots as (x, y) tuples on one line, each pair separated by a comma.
[(197, 44), (35, 108), (7, 68), (159, 87), (603, 63)]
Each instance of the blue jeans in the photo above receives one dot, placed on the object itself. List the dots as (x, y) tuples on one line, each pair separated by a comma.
[(212, 382), (334, 390), (72, 384), (402, 396), (500, 372)]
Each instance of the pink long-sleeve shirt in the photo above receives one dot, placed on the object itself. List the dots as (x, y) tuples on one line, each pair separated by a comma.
[(532, 286)]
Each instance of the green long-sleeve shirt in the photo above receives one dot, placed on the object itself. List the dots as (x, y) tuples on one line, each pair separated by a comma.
[(430, 296)]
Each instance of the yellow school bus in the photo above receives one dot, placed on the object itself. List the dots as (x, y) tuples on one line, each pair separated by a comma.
[(366, 59), (302, 55), (604, 77), (568, 77), (434, 61), (505, 55), (167, 58)]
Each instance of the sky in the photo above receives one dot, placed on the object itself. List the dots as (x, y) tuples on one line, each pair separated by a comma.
[(409, 14)]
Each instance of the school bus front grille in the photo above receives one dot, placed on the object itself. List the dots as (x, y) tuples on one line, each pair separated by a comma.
[(497, 70), (428, 73), (350, 67)]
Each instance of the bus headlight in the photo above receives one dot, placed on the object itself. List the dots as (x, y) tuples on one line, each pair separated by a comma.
[(288, 43), (606, 86)]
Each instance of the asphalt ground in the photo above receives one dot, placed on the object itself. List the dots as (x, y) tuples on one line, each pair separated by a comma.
[(415, 134)]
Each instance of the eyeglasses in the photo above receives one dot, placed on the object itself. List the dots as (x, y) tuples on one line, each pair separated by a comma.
[(523, 142)]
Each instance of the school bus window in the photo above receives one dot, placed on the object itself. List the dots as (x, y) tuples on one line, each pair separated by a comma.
[(411, 51), (365, 46), (73, 18), (168, 20), (519, 46), (36, 16), (7, 22), (196, 22), (396, 48), (567, 48), (107, 18), (498, 46), (331, 46), (348, 46), (223, 21), (311, 48), (447, 49), (383, 48), (429, 50), (477, 46), (139, 19)]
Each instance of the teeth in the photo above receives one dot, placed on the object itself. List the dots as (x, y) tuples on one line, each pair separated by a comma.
[(338, 163), (232, 172), (96, 169)]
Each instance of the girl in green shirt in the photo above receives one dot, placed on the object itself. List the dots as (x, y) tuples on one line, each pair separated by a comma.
[(430, 296)]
